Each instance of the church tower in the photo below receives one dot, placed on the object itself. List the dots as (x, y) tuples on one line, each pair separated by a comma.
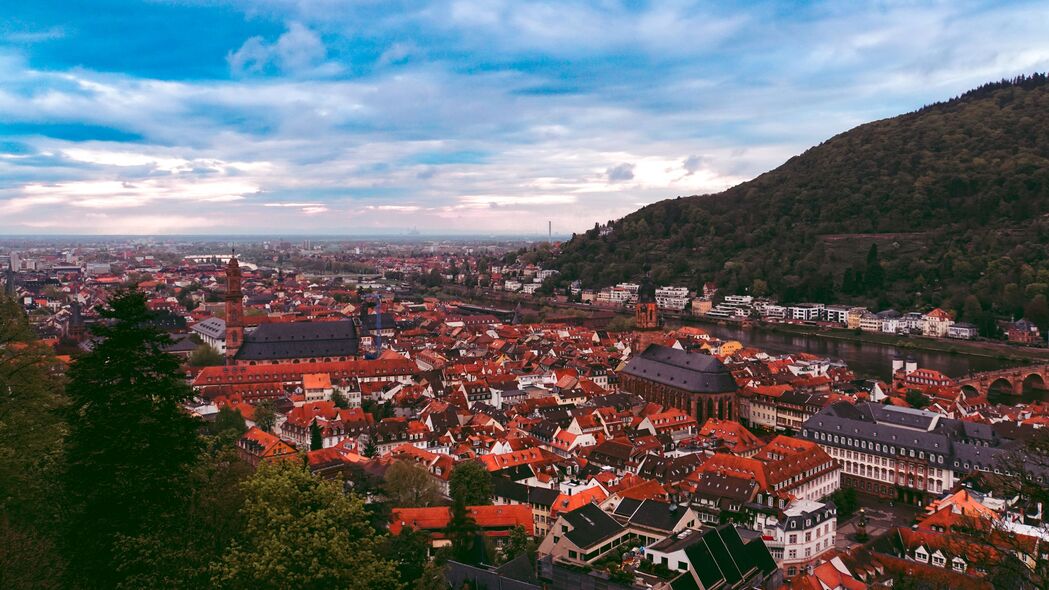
[(646, 313), (234, 310)]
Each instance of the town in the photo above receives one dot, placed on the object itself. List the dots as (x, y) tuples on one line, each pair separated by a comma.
[(597, 452)]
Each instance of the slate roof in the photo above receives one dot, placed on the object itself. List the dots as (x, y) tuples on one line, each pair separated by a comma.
[(506, 488), (300, 340), (724, 558), (653, 514), (212, 327), (693, 372), (590, 526)]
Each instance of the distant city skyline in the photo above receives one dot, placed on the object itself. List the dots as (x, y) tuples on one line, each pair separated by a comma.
[(469, 117)]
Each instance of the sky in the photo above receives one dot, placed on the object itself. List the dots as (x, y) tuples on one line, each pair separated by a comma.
[(364, 117)]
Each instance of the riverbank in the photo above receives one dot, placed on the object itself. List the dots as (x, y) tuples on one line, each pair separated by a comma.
[(980, 348), (995, 351)]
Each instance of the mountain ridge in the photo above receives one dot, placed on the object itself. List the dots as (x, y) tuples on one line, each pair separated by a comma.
[(953, 197)]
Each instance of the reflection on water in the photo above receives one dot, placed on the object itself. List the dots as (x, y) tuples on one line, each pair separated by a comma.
[(865, 358)]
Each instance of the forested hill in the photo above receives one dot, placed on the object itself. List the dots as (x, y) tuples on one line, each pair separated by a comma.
[(954, 196)]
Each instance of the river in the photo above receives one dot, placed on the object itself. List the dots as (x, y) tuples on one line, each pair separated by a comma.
[(865, 358)]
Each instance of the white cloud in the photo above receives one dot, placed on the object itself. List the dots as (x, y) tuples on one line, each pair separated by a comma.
[(298, 51)]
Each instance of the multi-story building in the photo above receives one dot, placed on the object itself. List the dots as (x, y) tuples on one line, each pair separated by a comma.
[(838, 314), (903, 453), (936, 323), (805, 312), (800, 534), (673, 298)]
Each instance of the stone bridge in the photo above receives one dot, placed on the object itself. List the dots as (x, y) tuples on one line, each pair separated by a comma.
[(1013, 381)]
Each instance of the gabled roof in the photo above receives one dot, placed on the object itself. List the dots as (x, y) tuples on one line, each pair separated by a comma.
[(693, 372)]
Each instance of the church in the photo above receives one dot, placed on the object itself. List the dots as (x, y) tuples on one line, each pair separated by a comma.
[(282, 343), (697, 383)]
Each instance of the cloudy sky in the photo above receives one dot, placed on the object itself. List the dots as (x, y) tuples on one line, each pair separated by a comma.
[(450, 116)]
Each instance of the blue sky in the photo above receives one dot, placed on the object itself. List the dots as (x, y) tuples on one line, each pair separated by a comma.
[(450, 116)]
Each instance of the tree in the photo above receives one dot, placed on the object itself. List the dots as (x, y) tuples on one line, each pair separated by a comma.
[(916, 399), (1037, 312), (432, 578), (874, 274), (130, 447), (302, 532), (518, 543), (339, 398), (972, 311), (471, 484), (265, 415), (316, 438), (410, 486), (205, 356), (464, 534), (407, 551), (845, 501)]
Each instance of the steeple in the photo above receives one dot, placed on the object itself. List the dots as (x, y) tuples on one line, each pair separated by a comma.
[(234, 309), (646, 312)]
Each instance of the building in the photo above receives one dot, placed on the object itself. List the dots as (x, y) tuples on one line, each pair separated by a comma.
[(697, 383), (673, 298), (800, 534), (212, 332), (276, 343), (257, 445), (902, 453), (494, 522), (936, 323), (646, 314), (722, 558), (583, 535), (234, 310), (1024, 332)]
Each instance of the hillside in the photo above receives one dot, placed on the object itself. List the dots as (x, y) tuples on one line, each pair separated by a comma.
[(954, 196)]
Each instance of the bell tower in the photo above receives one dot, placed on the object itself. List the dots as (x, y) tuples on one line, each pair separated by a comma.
[(646, 313), (234, 310)]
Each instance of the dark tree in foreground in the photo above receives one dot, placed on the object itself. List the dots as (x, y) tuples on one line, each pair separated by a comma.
[(471, 484), (130, 446)]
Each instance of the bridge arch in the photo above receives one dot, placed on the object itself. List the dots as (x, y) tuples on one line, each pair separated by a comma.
[(970, 390), (999, 388)]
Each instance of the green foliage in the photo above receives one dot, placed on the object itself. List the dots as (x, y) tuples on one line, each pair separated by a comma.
[(302, 532), (316, 438), (265, 415), (519, 543), (227, 428), (916, 399), (339, 398), (910, 212), (410, 486), (465, 535), (407, 551), (130, 448), (471, 484), (205, 356), (845, 501)]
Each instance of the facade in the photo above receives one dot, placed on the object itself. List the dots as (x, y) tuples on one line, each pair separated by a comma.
[(646, 314), (800, 534), (937, 322), (234, 311), (697, 383), (673, 298), (901, 453)]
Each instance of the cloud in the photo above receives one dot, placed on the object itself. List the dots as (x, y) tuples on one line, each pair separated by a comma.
[(299, 50), (620, 172), (692, 164), (455, 115)]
